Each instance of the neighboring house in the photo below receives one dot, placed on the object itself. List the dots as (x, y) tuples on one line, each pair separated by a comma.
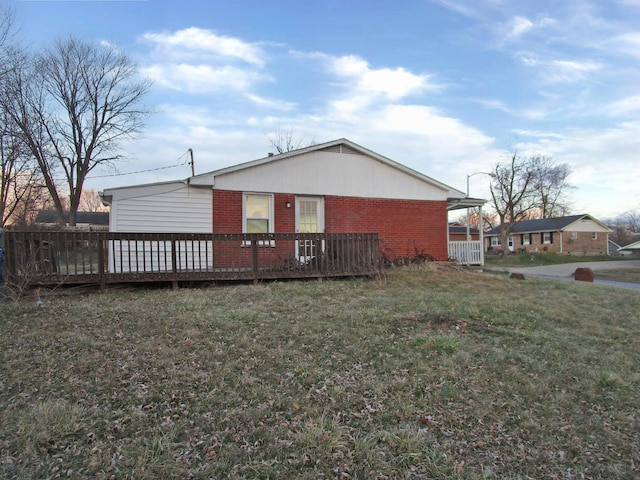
[(613, 248), (334, 187), (458, 232), (631, 249), (575, 234), (83, 219)]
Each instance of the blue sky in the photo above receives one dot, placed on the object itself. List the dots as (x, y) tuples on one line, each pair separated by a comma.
[(447, 87)]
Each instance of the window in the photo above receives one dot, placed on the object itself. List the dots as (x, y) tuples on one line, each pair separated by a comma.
[(495, 241), (594, 236), (257, 213), (547, 237), (526, 239), (574, 235)]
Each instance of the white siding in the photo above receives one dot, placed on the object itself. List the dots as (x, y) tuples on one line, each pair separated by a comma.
[(329, 173), (155, 256), (586, 225), (178, 208)]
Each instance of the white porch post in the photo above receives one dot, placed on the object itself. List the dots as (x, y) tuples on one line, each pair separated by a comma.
[(481, 236)]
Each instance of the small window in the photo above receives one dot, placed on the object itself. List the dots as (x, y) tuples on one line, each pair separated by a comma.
[(574, 235), (526, 239), (257, 216), (258, 213), (594, 236), (495, 241), (547, 237)]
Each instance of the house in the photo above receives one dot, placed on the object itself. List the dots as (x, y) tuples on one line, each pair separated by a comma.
[(458, 232), (631, 249), (333, 187), (572, 235), (83, 219), (613, 248)]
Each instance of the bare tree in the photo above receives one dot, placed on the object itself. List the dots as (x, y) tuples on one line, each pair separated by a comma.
[(524, 188), (6, 32), (74, 104), (626, 228), (284, 142), (90, 201), (550, 186), (20, 185), (512, 193)]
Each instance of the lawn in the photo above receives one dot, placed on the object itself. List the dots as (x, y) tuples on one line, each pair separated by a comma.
[(423, 374), (541, 259)]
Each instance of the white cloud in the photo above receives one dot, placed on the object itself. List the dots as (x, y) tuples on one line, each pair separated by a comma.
[(202, 78), (363, 80), (201, 41), (559, 71), (623, 107), (196, 60), (603, 163), (519, 25), (625, 44), (271, 103)]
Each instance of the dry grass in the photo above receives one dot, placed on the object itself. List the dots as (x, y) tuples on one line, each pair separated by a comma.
[(631, 275), (427, 374)]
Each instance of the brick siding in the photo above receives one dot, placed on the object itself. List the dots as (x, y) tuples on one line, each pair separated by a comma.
[(584, 244), (406, 227)]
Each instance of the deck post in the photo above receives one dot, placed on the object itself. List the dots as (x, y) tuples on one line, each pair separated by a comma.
[(101, 263), (174, 264), (254, 259)]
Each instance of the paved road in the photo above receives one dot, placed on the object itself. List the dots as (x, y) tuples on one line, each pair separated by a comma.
[(565, 271)]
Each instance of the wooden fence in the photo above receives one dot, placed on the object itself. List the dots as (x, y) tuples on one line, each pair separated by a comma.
[(62, 257)]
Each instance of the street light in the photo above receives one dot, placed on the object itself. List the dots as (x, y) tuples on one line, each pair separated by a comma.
[(468, 220)]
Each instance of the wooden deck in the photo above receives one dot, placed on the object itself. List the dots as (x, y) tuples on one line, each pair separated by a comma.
[(47, 258)]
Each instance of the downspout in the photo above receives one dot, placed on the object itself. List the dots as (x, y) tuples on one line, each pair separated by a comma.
[(448, 252)]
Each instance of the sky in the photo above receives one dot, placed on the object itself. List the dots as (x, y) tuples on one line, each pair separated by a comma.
[(446, 87)]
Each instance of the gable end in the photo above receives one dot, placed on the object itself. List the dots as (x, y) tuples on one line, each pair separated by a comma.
[(341, 148)]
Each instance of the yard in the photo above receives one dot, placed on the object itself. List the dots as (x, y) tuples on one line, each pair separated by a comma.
[(422, 374)]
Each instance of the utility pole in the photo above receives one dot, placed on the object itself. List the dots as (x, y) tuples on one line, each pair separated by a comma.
[(193, 167)]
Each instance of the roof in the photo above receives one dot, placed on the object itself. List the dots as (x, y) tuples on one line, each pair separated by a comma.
[(631, 246), (463, 229), (91, 218), (217, 178), (546, 224)]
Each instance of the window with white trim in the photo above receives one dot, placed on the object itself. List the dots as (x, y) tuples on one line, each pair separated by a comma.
[(594, 236), (257, 213), (495, 241), (574, 235), (547, 237)]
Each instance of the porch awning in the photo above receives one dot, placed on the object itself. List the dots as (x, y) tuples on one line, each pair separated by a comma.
[(467, 202)]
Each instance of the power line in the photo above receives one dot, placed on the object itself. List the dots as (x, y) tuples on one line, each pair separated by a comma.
[(145, 171)]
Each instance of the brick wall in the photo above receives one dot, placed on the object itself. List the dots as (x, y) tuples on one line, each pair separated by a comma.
[(406, 227), (584, 243)]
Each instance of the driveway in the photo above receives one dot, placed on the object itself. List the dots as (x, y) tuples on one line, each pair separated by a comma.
[(564, 271)]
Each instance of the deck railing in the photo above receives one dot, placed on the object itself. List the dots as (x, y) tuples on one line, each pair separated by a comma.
[(64, 257), (466, 253)]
